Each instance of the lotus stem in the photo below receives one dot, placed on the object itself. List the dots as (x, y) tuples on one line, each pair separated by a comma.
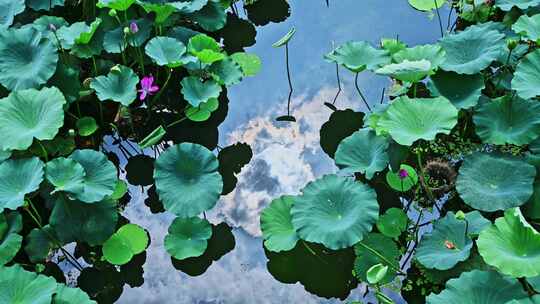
[(156, 97), (45, 154), (380, 256), (439, 17), (416, 228), (339, 84), (360, 92), (422, 180), (289, 79)]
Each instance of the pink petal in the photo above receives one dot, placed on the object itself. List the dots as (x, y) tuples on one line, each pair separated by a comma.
[(153, 89), (143, 95)]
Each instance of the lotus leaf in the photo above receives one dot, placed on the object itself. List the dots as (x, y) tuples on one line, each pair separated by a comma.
[(29, 114), (285, 39), (196, 92), (119, 5), (24, 287), (511, 245), (357, 56), (153, 138), (188, 237), (475, 222), (490, 183), (125, 243), (526, 79), (68, 295), (203, 111), (392, 45), (432, 53), (63, 79), (187, 179), (18, 178), (276, 225), (446, 245), (65, 174), (507, 5), (27, 58), (528, 27), (404, 181), (408, 120), (10, 241), (39, 243), (211, 17), (411, 71), (363, 152), (368, 253), (335, 211), (119, 85), (472, 50), (393, 222), (226, 72), (44, 5), (427, 5), (86, 125), (462, 90), (508, 120), (114, 41), (250, 63), (165, 51), (8, 10), (376, 273), (478, 287), (205, 48), (100, 175), (77, 33)]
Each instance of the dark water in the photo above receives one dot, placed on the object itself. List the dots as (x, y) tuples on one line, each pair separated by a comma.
[(286, 157)]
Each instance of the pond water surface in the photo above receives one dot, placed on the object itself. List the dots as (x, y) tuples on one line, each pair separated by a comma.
[(285, 157)]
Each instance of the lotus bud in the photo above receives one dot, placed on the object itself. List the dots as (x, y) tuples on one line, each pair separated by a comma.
[(112, 13), (133, 27), (511, 43), (460, 215)]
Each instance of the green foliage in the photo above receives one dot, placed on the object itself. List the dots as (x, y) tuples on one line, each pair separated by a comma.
[(276, 225)]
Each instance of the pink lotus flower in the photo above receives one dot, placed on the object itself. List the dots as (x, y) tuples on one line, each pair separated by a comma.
[(147, 87), (403, 174)]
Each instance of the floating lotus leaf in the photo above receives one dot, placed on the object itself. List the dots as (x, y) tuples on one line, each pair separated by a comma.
[(363, 152), (125, 243), (165, 51), (196, 92), (18, 178), (508, 120), (402, 182), (203, 111), (528, 27), (44, 5), (68, 295), (393, 222), (100, 175), (411, 71), (462, 90), (188, 237), (119, 5), (285, 39), (86, 126), (426, 5), (511, 245), (65, 175), (8, 10), (226, 72), (526, 79), (335, 211), (446, 245), (250, 63), (276, 225), (359, 55), (472, 50), (10, 241), (478, 287), (24, 287), (408, 120), (205, 48), (507, 5), (366, 258), (187, 179), (430, 52), (27, 60), (490, 183), (119, 85), (29, 114), (76, 221), (39, 244)]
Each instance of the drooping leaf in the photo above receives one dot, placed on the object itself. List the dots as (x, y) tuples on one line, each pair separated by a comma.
[(285, 39), (187, 237), (526, 79), (100, 175), (462, 90), (119, 85), (276, 225), (19, 177)]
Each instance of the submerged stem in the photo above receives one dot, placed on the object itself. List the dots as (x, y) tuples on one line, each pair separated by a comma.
[(360, 92)]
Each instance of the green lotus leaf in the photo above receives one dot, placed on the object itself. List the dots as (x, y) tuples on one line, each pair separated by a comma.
[(359, 55), (114, 41), (408, 120), (212, 16), (249, 63), (392, 45), (27, 60), (165, 51), (285, 39), (187, 179), (203, 111), (127, 242), (411, 71), (364, 152), (4, 155), (478, 287), (63, 79), (526, 79), (402, 183), (183, 6), (531, 209), (65, 174), (187, 237), (19, 177), (507, 5), (462, 90), (10, 240), (528, 27), (226, 72), (393, 222), (119, 85), (68, 295), (335, 211), (508, 120), (196, 92), (153, 138), (87, 126), (472, 50), (426, 5), (77, 33), (511, 245), (24, 287), (8, 10), (532, 300), (39, 244), (162, 11), (376, 273), (432, 53), (100, 175), (276, 225), (490, 183), (368, 253), (205, 48), (119, 5), (475, 222), (446, 245), (38, 5), (77, 221), (29, 114)]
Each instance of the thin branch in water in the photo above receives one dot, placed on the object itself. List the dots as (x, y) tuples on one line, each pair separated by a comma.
[(360, 92), (382, 95)]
